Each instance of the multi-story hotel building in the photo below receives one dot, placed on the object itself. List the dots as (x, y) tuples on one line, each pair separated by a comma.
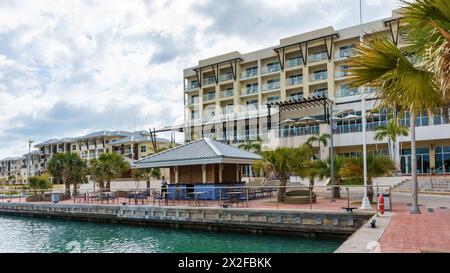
[(13, 170), (227, 97), (133, 145)]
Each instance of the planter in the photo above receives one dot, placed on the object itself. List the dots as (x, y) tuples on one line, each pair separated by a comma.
[(299, 197)]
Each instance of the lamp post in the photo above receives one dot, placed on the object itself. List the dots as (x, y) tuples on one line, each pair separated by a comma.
[(365, 204)]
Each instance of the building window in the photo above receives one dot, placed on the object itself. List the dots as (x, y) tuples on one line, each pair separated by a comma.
[(74, 147), (442, 159), (143, 149)]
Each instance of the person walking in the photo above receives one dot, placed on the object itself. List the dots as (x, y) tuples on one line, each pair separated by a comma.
[(164, 190)]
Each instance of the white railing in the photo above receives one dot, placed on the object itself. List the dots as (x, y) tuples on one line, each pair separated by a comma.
[(209, 96), (294, 62), (295, 97), (317, 57), (193, 86), (321, 93), (226, 77), (341, 74), (249, 90), (209, 81), (193, 101), (346, 53), (249, 74), (227, 93), (294, 81), (270, 86), (318, 76), (270, 69)]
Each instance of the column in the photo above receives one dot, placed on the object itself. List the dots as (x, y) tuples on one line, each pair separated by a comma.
[(176, 175), (220, 172), (204, 173)]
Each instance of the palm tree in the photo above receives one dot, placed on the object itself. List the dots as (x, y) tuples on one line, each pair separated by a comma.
[(319, 139), (97, 172), (108, 167), (147, 174), (428, 23), (279, 163), (251, 146), (376, 166), (380, 63), (322, 169), (68, 168), (391, 131)]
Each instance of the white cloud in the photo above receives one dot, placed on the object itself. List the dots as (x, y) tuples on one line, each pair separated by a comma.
[(68, 67)]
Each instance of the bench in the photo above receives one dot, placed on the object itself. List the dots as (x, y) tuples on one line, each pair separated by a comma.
[(349, 209)]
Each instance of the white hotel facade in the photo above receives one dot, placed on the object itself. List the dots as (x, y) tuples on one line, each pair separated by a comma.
[(227, 97)]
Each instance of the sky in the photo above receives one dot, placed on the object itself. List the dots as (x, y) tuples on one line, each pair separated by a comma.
[(68, 68)]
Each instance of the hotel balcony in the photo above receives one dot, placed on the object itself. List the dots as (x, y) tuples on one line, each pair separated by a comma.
[(209, 81), (226, 94), (192, 87), (193, 101), (321, 76), (314, 58), (320, 93), (249, 74), (249, 91), (294, 81), (340, 75), (348, 92), (267, 87), (270, 69), (295, 97), (344, 54), (226, 77), (209, 97), (295, 62)]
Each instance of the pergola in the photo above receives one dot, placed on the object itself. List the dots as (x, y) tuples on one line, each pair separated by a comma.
[(306, 103)]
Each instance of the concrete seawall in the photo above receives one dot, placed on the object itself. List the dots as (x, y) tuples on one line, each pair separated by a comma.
[(308, 223)]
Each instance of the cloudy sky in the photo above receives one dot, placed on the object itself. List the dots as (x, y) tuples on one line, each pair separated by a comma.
[(72, 67)]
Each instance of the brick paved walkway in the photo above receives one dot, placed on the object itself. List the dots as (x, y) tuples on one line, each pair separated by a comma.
[(426, 232)]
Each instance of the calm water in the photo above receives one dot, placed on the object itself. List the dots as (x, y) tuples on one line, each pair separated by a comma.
[(21, 234)]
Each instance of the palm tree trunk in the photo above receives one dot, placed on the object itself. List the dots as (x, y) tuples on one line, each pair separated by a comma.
[(148, 184), (415, 197), (336, 189), (108, 185), (282, 189), (67, 190)]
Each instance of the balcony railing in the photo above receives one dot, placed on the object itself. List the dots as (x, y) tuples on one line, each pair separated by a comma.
[(270, 69), (294, 81), (226, 77), (270, 86), (347, 92), (321, 93), (192, 86), (227, 93), (193, 101), (300, 131), (294, 62), (249, 74), (341, 74), (322, 56), (209, 96), (295, 97), (343, 54), (209, 81), (249, 90), (320, 76)]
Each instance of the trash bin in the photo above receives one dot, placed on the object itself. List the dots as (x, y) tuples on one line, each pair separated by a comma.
[(56, 197), (387, 201)]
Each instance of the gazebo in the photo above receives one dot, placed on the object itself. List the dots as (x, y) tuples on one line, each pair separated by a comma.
[(201, 166)]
